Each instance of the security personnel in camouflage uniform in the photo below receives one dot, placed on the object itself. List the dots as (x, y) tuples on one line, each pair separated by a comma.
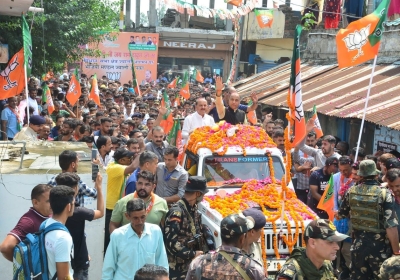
[(390, 269), (314, 261), (228, 261), (374, 223), (183, 231)]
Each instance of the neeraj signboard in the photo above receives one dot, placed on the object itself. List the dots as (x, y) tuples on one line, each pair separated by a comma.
[(194, 46), (116, 64)]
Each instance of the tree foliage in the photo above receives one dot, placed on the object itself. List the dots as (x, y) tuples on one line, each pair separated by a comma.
[(61, 33)]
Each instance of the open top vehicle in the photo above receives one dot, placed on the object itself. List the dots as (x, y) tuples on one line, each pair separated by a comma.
[(243, 169)]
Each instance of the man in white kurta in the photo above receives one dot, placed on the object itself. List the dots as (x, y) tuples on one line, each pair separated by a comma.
[(197, 119)]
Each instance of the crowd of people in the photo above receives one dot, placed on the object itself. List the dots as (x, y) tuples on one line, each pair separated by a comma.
[(151, 200)]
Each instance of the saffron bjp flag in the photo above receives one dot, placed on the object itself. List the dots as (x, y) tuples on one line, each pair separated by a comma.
[(317, 125), (296, 111), (74, 91), (173, 83), (94, 91), (326, 202), (46, 97), (184, 92), (251, 116), (177, 101), (360, 41), (12, 78), (265, 18), (197, 76), (167, 122)]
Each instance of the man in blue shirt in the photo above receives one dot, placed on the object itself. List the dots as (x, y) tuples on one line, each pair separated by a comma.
[(10, 124), (146, 241), (148, 162)]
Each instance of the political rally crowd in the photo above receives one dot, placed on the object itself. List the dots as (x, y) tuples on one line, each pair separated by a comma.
[(153, 228)]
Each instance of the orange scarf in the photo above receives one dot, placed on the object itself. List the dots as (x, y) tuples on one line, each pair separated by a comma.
[(151, 204)]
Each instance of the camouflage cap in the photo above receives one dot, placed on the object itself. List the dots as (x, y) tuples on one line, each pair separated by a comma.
[(323, 229), (367, 168), (390, 269), (235, 224)]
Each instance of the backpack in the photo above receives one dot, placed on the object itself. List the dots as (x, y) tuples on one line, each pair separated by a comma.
[(30, 257)]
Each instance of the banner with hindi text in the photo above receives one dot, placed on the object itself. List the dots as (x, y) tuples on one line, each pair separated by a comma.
[(116, 64)]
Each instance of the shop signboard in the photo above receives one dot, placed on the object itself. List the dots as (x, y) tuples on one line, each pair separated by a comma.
[(386, 147), (116, 63)]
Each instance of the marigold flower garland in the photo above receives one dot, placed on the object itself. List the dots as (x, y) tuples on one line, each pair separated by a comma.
[(268, 196), (268, 193), (215, 138)]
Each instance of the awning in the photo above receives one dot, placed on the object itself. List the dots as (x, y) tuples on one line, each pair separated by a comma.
[(335, 92), (14, 8)]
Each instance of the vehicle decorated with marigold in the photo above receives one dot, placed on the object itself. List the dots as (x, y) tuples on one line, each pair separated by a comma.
[(244, 169)]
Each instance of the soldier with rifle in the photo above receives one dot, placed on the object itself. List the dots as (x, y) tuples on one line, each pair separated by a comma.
[(183, 231)]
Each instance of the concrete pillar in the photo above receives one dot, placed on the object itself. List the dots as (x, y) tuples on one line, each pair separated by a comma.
[(137, 20), (212, 4), (128, 14), (152, 13), (228, 25)]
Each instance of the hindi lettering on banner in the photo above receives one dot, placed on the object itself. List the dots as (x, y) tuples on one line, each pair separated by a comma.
[(116, 65)]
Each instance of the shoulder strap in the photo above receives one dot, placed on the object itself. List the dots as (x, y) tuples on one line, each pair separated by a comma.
[(235, 265), (55, 226)]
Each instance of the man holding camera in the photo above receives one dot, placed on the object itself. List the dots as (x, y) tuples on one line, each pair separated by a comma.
[(183, 230)]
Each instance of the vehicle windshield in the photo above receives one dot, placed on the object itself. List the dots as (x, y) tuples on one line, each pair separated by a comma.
[(218, 169)]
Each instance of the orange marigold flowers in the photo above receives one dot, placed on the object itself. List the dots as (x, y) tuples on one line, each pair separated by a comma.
[(218, 141)]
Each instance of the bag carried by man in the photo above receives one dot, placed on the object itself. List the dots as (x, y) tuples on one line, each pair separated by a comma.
[(30, 257)]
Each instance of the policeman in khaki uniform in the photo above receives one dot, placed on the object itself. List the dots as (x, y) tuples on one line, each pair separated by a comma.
[(314, 261), (228, 261), (390, 269), (374, 223), (183, 237)]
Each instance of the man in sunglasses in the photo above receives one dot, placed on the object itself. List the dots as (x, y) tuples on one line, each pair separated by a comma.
[(319, 180)]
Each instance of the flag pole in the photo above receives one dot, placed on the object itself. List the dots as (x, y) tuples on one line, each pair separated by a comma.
[(365, 107), (26, 94)]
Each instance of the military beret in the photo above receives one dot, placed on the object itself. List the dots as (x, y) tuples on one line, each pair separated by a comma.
[(258, 217), (37, 120), (196, 184)]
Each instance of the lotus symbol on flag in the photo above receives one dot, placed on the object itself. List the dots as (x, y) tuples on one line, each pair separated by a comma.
[(356, 40), (6, 74), (72, 89), (265, 19)]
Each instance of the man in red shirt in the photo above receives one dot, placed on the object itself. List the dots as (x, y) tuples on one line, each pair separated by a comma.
[(30, 221)]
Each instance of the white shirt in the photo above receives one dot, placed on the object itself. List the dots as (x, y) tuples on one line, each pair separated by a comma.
[(59, 248), (26, 134), (107, 159), (194, 121), (22, 107)]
